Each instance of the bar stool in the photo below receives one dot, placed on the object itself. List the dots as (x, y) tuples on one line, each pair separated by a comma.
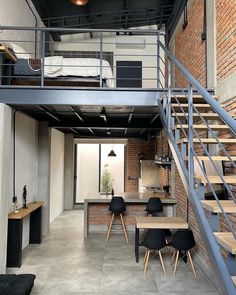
[(117, 207), (154, 240), (154, 205), (183, 240)]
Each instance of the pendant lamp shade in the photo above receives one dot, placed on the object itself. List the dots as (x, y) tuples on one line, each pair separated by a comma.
[(112, 154), (79, 2)]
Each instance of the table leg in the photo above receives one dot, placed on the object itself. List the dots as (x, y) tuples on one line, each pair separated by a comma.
[(137, 244)]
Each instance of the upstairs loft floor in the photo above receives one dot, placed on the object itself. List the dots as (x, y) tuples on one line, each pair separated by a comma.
[(65, 263)]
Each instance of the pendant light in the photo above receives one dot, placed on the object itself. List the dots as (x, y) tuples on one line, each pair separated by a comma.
[(79, 2), (112, 153)]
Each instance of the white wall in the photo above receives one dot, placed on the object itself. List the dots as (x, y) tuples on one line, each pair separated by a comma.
[(146, 55), (57, 174), (5, 178), (17, 13), (26, 164)]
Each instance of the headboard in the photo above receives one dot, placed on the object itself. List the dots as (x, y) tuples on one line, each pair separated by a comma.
[(108, 56)]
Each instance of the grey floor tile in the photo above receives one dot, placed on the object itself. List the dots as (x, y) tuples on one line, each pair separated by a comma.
[(127, 278), (66, 264)]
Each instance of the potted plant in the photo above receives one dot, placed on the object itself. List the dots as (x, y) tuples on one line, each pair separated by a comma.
[(106, 180)]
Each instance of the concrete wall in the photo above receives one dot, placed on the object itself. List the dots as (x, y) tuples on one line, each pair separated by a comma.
[(5, 178), (57, 174), (26, 163), (17, 13)]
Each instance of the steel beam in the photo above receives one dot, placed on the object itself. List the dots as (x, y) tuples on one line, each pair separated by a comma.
[(101, 97)]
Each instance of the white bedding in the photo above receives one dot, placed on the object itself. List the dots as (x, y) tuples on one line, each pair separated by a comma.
[(86, 67)]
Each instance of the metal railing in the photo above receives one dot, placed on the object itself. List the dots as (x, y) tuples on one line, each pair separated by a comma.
[(124, 58), (182, 140)]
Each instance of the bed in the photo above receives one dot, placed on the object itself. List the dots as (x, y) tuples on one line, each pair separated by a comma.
[(62, 71)]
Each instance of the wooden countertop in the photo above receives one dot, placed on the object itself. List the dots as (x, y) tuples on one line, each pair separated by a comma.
[(161, 222), (133, 198), (24, 212)]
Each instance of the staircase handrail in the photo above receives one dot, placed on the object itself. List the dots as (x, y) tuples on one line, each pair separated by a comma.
[(205, 94)]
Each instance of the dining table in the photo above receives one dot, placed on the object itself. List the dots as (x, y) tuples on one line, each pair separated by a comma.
[(156, 223)]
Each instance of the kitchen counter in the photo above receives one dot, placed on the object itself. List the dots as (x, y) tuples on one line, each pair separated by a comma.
[(97, 215)]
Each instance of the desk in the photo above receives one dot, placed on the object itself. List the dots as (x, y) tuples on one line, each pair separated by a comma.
[(156, 222), (6, 59), (15, 231)]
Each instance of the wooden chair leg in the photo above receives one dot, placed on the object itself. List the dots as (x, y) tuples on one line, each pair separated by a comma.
[(124, 229), (162, 264), (176, 261), (146, 263), (109, 228), (172, 258), (191, 263), (145, 257)]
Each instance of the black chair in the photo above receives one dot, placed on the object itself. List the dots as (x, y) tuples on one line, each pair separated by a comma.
[(183, 240), (117, 207), (154, 240), (154, 205)]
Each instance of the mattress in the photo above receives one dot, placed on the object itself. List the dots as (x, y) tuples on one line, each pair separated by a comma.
[(58, 66)]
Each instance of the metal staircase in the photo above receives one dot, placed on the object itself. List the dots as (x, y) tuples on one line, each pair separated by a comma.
[(194, 121)]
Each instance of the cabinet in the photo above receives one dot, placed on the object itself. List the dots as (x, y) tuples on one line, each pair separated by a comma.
[(15, 231)]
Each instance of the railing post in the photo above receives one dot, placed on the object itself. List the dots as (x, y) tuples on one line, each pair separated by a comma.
[(42, 58), (158, 61), (168, 108), (101, 58), (190, 138)]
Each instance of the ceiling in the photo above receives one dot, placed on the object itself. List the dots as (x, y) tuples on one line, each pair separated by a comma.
[(115, 14), (97, 121)]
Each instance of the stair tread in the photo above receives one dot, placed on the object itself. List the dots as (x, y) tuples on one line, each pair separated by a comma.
[(215, 179), (226, 239), (197, 105), (214, 158), (196, 97), (204, 115), (202, 127), (229, 206), (209, 140)]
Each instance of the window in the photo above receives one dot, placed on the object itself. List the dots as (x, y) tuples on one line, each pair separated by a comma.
[(90, 162)]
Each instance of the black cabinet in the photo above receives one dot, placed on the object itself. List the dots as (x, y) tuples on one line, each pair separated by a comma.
[(15, 232)]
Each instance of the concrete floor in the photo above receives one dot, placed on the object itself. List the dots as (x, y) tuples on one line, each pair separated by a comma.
[(65, 263)]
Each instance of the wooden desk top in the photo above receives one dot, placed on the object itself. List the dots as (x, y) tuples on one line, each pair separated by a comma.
[(8, 54), (24, 212), (161, 222)]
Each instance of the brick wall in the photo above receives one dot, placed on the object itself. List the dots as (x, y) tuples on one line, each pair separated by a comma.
[(162, 148), (226, 38), (132, 163), (189, 49)]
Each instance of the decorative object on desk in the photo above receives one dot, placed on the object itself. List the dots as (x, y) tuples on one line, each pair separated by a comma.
[(24, 196), (106, 180), (112, 192), (35, 198), (15, 205)]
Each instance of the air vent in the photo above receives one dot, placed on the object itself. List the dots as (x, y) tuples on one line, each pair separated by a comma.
[(130, 42)]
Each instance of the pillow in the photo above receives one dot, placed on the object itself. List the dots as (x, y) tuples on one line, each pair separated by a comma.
[(20, 52)]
